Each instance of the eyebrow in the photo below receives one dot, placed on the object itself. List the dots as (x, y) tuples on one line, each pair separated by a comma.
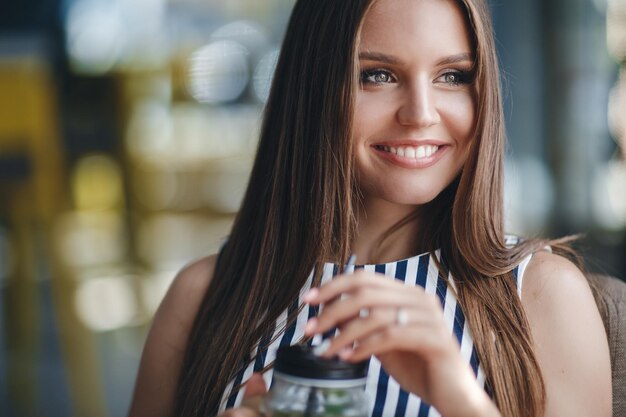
[(377, 56), (455, 59), (390, 59)]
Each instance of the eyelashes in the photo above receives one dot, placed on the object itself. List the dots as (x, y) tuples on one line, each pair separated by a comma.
[(379, 76), (376, 77), (458, 77)]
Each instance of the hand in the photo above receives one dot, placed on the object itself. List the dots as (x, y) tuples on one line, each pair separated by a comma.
[(405, 329), (252, 398)]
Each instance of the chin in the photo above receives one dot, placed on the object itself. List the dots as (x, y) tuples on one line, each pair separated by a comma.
[(411, 199)]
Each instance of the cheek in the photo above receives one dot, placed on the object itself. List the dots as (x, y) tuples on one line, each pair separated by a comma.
[(460, 116), (370, 115)]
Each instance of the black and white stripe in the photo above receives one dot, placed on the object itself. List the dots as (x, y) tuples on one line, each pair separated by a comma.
[(387, 398)]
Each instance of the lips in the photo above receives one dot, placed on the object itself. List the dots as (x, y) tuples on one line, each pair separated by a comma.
[(416, 152), (411, 155)]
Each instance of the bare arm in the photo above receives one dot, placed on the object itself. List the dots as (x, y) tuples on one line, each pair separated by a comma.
[(569, 338), (167, 341)]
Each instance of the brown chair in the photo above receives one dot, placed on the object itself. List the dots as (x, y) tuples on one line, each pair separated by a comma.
[(610, 294)]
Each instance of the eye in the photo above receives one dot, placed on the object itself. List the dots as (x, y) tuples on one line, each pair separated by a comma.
[(451, 78), (454, 78), (376, 77)]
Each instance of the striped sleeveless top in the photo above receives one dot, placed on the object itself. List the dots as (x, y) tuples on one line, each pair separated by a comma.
[(386, 396)]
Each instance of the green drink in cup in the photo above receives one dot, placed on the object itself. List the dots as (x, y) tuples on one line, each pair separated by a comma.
[(307, 385)]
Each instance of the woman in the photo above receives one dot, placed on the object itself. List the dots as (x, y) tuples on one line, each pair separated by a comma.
[(383, 137)]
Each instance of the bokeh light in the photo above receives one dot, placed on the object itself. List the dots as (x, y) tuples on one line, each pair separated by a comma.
[(94, 35), (529, 195), (617, 112), (106, 303), (264, 73), (225, 184), (153, 288), (609, 202), (97, 183), (88, 239), (150, 130), (218, 72), (616, 29), (156, 186), (247, 33), (169, 241)]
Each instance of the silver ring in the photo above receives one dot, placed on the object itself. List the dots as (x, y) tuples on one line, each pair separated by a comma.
[(402, 317), (364, 313)]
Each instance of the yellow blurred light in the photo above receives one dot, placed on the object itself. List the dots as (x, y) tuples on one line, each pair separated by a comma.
[(150, 130), (169, 241), (6, 256), (156, 188), (97, 183), (217, 132), (87, 239), (186, 135), (225, 184), (154, 288)]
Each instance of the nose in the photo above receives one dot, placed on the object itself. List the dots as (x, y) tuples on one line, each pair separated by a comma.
[(418, 106)]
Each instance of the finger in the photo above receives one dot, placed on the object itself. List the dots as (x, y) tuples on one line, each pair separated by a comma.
[(380, 319), (422, 339), (360, 328), (240, 412), (255, 386), (345, 284), (253, 403), (254, 391), (338, 312)]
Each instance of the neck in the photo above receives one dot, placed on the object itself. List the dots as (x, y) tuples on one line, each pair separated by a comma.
[(376, 219)]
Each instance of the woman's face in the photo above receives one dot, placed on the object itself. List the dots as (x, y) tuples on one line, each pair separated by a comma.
[(414, 114)]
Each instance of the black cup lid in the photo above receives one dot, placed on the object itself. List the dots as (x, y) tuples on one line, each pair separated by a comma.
[(300, 361)]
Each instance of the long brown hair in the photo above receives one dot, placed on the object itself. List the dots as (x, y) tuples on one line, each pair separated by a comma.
[(300, 209)]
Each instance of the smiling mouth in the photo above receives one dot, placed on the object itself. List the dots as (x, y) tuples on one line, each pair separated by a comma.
[(414, 152)]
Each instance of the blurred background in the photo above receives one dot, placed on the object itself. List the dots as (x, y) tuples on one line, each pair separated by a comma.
[(127, 131)]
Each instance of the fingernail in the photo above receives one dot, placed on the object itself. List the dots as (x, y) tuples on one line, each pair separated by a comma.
[(322, 348), (310, 295), (310, 326)]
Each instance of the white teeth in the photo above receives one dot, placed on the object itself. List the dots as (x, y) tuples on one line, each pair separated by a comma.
[(424, 151)]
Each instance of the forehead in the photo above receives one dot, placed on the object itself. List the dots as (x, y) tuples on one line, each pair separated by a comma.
[(437, 26)]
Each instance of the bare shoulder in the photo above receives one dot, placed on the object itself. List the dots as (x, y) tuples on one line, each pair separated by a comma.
[(187, 291), (166, 343), (568, 336), (549, 275), (175, 316)]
